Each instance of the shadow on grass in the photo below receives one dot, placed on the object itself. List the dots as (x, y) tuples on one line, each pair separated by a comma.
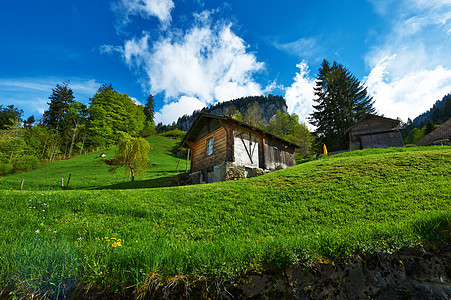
[(159, 182)]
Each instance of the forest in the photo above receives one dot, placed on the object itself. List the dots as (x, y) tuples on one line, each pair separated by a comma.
[(70, 128)]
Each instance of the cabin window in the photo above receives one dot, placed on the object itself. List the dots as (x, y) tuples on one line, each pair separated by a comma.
[(210, 146)]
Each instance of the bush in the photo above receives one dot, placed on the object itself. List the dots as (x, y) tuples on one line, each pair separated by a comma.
[(174, 133), (5, 168), (25, 163)]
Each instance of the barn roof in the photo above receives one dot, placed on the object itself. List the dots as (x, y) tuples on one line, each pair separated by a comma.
[(441, 132), (203, 116), (394, 122)]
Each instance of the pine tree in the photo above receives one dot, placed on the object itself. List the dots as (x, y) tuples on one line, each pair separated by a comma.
[(149, 110), (341, 100), (60, 99)]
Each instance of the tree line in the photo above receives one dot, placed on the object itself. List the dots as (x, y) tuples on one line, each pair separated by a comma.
[(70, 128), (413, 131)]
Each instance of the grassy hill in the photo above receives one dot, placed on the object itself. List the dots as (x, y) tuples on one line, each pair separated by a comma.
[(91, 172), (54, 240)]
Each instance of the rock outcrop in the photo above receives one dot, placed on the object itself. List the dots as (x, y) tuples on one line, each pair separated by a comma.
[(269, 105), (418, 273)]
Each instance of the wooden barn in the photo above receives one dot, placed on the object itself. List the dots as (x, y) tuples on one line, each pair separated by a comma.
[(372, 131), (223, 148), (439, 136)]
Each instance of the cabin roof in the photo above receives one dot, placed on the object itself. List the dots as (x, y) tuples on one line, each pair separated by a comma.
[(441, 132), (393, 121), (203, 116)]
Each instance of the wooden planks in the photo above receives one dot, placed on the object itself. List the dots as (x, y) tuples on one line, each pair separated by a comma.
[(200, 160)]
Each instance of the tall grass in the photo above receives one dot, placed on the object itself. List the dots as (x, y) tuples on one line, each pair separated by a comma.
[(328, 208)]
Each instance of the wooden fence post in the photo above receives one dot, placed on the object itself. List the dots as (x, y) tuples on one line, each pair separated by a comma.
[(178, 162), (187, 159), (68, 179), (21, 185)]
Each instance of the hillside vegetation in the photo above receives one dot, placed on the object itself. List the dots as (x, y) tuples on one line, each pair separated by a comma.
[(53, 241)]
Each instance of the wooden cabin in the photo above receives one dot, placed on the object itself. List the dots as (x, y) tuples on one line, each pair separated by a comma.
[(223, 148), (439, 136), (372, 131)]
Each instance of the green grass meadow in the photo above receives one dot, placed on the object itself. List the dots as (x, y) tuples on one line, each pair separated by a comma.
[(54, 241)]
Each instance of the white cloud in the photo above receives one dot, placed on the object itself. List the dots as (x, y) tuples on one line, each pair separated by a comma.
[(172, 111), (145, 8), (299, 95), (208, 62), (302, 48), (411, 68), (136, 101), (409, 95)]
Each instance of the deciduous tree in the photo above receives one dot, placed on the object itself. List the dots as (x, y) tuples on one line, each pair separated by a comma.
[(132, 152), (112, 113)]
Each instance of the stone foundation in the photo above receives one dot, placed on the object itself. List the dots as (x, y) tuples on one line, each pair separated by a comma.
[(226, 171)]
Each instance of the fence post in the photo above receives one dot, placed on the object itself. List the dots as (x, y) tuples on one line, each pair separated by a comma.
[(21, 185), (178, 162), (68, 179), (187, 160), (62, 182)]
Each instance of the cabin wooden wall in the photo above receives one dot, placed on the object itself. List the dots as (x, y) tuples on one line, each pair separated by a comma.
[(382, 140), (199, 159), (277, 155), (246, 147)]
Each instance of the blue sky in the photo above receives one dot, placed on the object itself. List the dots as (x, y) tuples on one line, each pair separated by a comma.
[(193, 53)]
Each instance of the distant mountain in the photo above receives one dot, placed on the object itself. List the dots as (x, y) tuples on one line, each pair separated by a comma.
[(438, 113), (268, 104)]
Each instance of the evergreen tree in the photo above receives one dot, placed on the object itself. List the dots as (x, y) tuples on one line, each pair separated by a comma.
[(429, 127), (341, 100), (60, 99), (29, 122), (407, 127), (149, 110), (10, 116)]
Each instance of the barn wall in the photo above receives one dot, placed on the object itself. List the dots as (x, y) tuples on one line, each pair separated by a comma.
[(382, 140), (277, 155), (200, 161), (246, 147)]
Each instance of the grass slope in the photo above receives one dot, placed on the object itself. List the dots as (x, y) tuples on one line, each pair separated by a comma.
[(374, 200), (91, 172)]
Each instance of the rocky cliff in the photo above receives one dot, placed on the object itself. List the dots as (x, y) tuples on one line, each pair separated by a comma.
[(268, 104)]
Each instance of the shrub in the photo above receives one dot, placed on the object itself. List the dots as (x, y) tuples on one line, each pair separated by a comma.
[(174, 133), (5, 168), (25, 163)]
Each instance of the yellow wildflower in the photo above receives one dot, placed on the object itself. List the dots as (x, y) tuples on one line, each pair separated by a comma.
[(114, 244)]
